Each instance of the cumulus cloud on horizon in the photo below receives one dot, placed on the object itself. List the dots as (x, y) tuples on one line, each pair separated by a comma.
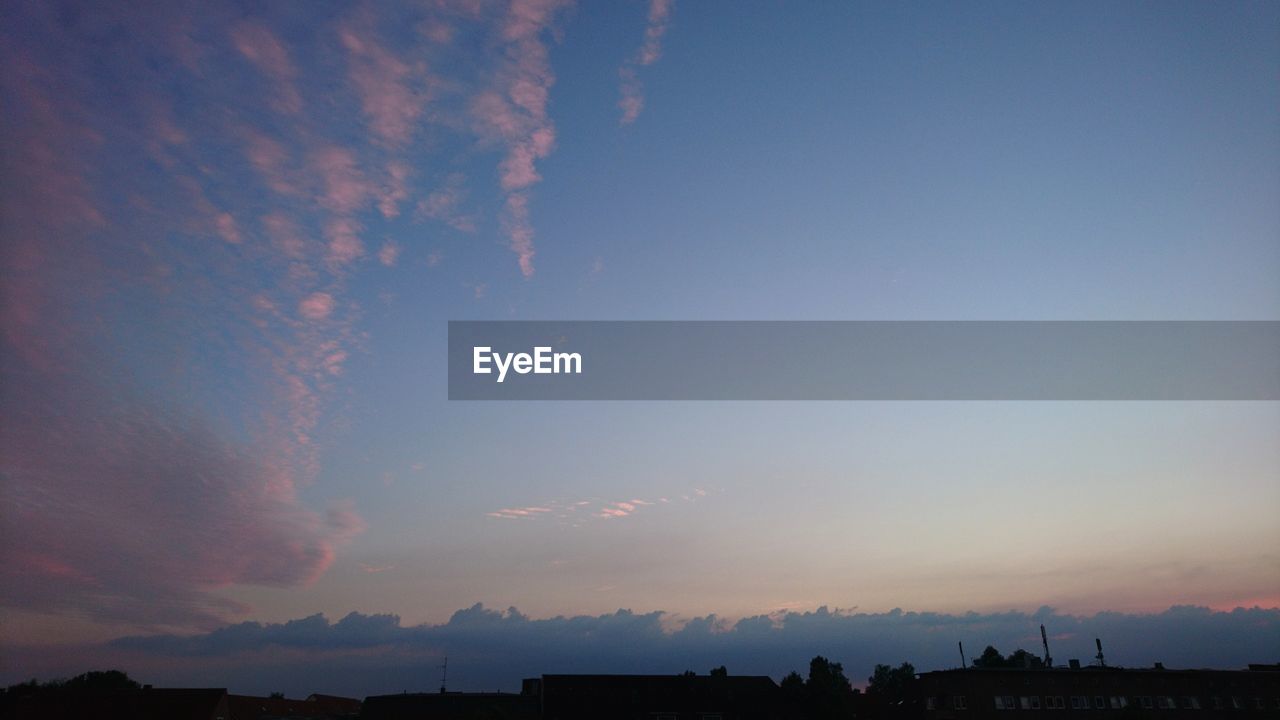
[(489, 648)]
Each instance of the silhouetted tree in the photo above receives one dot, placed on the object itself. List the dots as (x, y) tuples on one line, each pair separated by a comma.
[(720, 672), (828, 693), (1022, 659), (892, 685), (688, 674), (793, 687), (277, 696), (990, 658), (92, 680)]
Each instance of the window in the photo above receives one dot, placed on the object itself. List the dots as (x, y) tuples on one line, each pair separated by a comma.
[(1164, 702), (1236, 704), (930, 703), (1055, 702), (959, 703), (1119, 702), (1145, 702), (1079, 703), (1099, 702), (1257, 703), (1035, 702), (1217, 703), (1190, 703), (1005, 702)]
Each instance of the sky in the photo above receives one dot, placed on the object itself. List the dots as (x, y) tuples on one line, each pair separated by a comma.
[(233, 235)]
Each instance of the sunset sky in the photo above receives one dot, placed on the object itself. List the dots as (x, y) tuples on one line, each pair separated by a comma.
[(233, 235)]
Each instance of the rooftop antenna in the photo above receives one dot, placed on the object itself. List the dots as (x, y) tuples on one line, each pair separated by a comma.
[(1101, 661), (1044, 637), (444, 673), (964, 661)]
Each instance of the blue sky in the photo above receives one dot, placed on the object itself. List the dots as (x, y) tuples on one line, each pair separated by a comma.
[(233, 237)]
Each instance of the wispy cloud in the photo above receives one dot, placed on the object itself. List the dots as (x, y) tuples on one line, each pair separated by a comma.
[(392, 92), (389, 254), (632, 101), (514, 112), (445, 205), (577, 511), (257, 43)]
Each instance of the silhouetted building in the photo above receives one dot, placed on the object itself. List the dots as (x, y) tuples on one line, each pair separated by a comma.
[(656, 697), (315, 707), (1098, 693), (579, 697), (336, 705), (141, 704), (450, 706)]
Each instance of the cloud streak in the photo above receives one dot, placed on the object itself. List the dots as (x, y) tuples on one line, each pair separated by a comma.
[(514, 112), (576, 511), (632, 101)]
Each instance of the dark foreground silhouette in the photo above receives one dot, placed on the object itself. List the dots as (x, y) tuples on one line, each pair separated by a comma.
[(1019, 685)]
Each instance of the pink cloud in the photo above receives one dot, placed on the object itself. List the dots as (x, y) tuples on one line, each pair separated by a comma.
[(264, 50), (284, 235), (659, 15), (316, 306), (345, 188), (519, 229), (333, 362), (514, 111), (133, 496), (269, 158), (632, 100), (519, 512), (566, 511), (394, 190), (443, 205), (345, 245), (227, 228), (134, 512), (392, 92), (389, 254)]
